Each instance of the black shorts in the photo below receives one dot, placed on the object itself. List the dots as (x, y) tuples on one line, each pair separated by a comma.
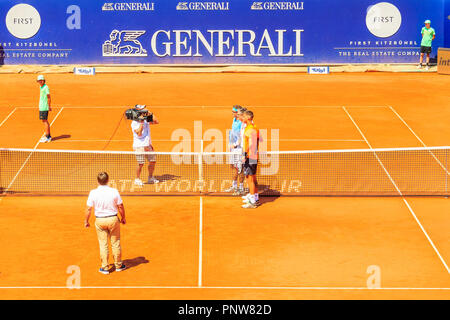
[(43, 115), (250, 167), (425, 49)]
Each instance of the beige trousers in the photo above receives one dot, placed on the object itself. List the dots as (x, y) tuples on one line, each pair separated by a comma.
[(109, 228)]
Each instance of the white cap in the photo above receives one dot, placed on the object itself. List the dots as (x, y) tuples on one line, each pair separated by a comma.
[(40, 77), (140, 106)]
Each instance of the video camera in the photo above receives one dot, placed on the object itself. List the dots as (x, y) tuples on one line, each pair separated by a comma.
[(139, 113)]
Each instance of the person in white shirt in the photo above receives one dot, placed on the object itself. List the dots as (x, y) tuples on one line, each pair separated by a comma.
[(106, 203), (235, 139), (142, 142)]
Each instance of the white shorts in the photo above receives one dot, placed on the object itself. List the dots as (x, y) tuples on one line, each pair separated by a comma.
[(236, 159), (141, 157)]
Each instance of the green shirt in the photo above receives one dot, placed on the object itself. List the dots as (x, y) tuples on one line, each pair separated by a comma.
[(427, 36), (43, 99)]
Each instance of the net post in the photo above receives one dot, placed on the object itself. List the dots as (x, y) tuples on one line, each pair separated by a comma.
[(200, 167)]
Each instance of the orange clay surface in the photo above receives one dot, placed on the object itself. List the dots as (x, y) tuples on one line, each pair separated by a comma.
[(210, 248)]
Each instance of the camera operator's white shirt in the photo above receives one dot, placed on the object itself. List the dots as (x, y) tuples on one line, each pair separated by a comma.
[(145, 139)]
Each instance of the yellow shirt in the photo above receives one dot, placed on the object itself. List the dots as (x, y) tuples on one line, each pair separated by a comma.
[(251, 141)]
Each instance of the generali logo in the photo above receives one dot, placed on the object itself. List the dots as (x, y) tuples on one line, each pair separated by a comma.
[(128, 6), (204, 6), (277, 5), (197, 43), (124, 43)]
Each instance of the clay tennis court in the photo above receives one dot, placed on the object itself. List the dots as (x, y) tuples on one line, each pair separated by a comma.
[(207, 247)]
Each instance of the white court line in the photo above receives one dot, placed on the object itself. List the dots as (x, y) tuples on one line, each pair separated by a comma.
[(167, 140), (370, 147), (420, 140), (202, 107), (400, 193), (234, 288), (9, 115), (319, 140), (28, 158), (200, 244)]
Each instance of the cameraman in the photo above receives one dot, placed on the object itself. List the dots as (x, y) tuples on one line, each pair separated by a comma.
[(142, 143)]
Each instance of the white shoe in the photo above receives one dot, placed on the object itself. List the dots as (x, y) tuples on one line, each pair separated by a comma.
[(427, 68), (246, 197), (251, 205), (247, 200), (138, 182), (419, 66), (48, 139), (231, 189), (152, 180), (43, 139)]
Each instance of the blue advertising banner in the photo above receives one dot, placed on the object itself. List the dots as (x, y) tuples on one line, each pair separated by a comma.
[(216, 32), (447, 23)]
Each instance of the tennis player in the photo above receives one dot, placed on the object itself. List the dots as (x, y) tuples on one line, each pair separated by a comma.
[(142, 142), (428, 35), (44, 108), (236, 148), (250, 145), (106, 203)]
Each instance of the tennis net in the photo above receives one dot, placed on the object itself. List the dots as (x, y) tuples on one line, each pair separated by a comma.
[(365, 172)]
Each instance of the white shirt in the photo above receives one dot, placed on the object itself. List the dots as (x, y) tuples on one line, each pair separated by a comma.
[(241, 138), (143, 140), (105, 200)]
